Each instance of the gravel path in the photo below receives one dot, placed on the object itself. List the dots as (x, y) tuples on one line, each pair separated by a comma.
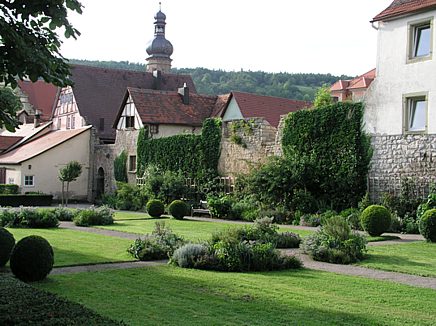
[(110, 233), (413, 280)]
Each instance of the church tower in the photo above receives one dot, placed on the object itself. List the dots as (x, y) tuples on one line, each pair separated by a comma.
[(159, 48)]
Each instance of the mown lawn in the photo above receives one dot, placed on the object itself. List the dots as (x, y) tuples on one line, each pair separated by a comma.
[(412, 258), (80, 248), (166, 295), (191, 230)]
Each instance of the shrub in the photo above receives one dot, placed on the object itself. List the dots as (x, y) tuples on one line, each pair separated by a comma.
[(303, 201), (220, 207), (32, 259), (160, 244), (155, 208), (129, 197), (30, 199), (7, 242), (427, 225), (375, 220), (429, 204), (335, 243), (190, 255), (94, 216), (63, 213), (29, 217), (8, 189), (352, 215), (178, 209), (313, 220), (288, 240)]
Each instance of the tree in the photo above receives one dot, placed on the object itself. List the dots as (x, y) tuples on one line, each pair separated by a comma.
[(67, 174), (9, 105), (30, 46), (323, 97)]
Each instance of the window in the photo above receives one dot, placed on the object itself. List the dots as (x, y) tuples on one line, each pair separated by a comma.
[(59, 123), (73, 122), (415, 114), (101, 126), (420, 40), (154, 129), (130, 122), (68, 122), (29, 180), (132, 163)]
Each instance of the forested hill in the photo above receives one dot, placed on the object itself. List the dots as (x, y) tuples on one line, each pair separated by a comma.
[(294, 86)]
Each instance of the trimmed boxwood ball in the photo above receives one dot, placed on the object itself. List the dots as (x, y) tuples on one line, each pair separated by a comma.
[(375, 219), (178, 209), (427, 225), (155, 208), (32, 259), (7, 242)]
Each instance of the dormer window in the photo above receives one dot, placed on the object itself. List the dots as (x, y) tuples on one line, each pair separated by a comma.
[(129, 114), (420, 40)]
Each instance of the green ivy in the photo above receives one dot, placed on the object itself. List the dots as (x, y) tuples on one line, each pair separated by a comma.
[(120, 167), (193, 155), (329, 152)]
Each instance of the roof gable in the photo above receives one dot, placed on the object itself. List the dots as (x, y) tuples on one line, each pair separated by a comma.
[(167, 107), (267, 107), (99, 92), (399, 8), (41, 96)]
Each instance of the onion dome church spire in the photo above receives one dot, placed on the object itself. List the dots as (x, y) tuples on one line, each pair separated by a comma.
[(159, 48)]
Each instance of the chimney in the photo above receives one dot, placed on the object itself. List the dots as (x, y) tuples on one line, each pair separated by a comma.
[(37, 119), (184, 92), (157, 74)]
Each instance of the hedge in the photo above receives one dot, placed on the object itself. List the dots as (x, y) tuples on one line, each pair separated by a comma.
[(8, 189), (26, 200), (329, 152), (22, 304)]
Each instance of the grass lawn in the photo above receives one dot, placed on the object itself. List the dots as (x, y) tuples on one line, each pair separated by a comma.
[(166, 295), (412, 258), (79, 248), (191, 230)]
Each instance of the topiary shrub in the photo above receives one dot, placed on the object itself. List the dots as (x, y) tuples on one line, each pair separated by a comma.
[(7, 242), (94, 216), (427, 225), (155, 208), (32, 259), (178, 209), (375, 219)]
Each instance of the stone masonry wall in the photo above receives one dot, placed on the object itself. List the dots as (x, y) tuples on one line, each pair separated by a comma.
[(256, 146), (402, 156)]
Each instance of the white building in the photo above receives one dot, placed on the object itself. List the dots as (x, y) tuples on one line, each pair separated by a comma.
[(401, 102)]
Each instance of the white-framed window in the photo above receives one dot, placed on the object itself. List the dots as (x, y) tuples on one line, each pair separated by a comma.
[(132, 163), (73, 122), (415, 113), (68, 122), (29, 180), (59, 123), (129, 114), (420, 40)]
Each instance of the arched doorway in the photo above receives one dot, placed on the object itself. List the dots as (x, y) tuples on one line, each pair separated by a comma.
[(100, 182)]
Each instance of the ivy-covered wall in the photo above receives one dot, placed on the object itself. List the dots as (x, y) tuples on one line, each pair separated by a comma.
[(193, 155), (329, 152)]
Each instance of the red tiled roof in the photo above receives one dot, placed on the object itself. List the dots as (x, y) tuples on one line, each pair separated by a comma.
[(164, 107), (8, 141), (267, 107), (39, 145), (363, 81), (41, 95), (100, 91), (400, 8)]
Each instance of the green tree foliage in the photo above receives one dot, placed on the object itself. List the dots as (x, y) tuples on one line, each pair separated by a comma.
[(329, 154), (9, 105), (30, 46), (120, 167), (294, 86), (142, 138), (210, 146), (67, 174), (323, 97)]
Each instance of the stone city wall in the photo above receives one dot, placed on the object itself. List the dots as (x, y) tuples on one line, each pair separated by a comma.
[(398, 157)]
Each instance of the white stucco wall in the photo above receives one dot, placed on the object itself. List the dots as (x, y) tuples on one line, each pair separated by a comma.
[(233, 112), (172, 130), (396, 77), (45, 168)]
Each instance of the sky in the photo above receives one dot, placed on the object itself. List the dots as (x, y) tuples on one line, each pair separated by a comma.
[(310, 36)]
